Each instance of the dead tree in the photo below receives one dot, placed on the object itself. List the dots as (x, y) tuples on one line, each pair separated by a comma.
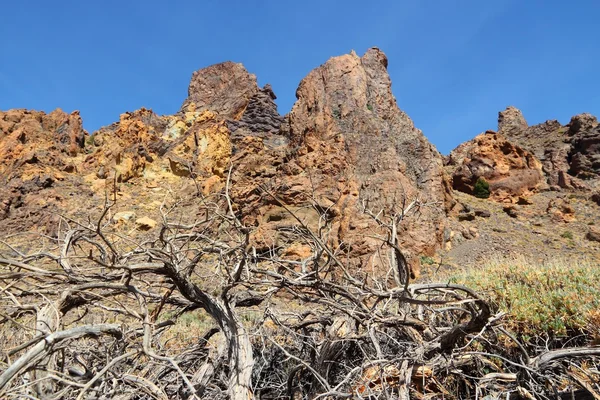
[(92, 316)]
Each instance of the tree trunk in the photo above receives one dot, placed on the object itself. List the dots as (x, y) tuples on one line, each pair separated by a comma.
[(240, 357)]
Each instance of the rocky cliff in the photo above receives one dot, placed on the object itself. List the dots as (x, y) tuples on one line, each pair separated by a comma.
[(562, 156), (569, 153), (548, 173), (345, 154), (510, 170), (344, 150)]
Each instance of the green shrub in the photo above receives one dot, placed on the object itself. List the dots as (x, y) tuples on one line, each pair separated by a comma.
[(425, 260), (567, 235), (89, 140), (481, 188), (554, 297)]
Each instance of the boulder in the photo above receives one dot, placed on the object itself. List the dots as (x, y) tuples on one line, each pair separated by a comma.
[(560, 210), (511, 211), (511, 171), (123, 216), (483, 213), (593, 234), (145, 223)]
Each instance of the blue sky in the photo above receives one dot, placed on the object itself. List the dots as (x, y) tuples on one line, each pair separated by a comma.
[(454, 63)]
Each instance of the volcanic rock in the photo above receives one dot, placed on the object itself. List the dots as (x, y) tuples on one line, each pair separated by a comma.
[(595, 197), (30, 139), (510, 171), (345, 148), (568, 153), (511, 121), (512, 211), (593, 234), (582, 123), (584, 154), (560, 210), (36, 151), (358, 146), (261, 114), (194, 143), (123, 216), (224, 88), (145, 223), (483, 213)]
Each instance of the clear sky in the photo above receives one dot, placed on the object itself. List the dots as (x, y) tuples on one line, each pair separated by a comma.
[(454, 63)]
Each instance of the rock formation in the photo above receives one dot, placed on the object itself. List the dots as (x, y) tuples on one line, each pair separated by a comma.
[(349, 143), (510, 171), (38, 152), (511, 121), (260, 115), (189, 143), (224, 88), (345, 150), (360, 146), (584, 153), (345, 147), (568, 153)]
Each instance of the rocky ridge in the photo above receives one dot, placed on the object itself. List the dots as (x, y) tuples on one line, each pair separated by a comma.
[(344, 147), (569, 153), (546, 172), (345, 150)]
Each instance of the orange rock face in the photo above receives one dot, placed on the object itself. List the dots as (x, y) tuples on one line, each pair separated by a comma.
[(358, 146), (510, 170), (38, 153), (345, 148), (192, 143)]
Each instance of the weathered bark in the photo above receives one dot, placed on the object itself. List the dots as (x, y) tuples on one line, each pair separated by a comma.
[(240, 355), (44, 347)]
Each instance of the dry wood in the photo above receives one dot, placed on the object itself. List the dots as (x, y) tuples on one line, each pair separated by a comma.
[(315, 328)]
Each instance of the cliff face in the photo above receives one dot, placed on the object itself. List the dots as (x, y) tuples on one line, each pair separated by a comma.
[(345, 148), (351, 133), (39, 164), (570, 154), (344, 154), (510, 170), (522, 159)]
